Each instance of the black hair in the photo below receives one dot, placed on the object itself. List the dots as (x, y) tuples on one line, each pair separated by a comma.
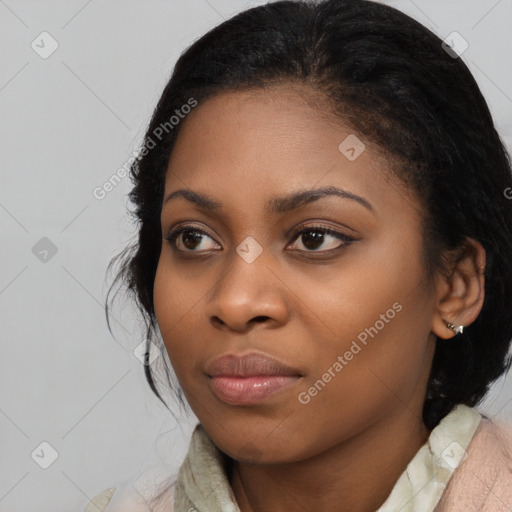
[(390, 79)]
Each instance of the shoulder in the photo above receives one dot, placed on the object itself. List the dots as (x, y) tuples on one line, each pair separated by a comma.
[(136, 495), (483, 481)]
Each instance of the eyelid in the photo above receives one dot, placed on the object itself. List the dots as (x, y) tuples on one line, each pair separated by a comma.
[(337, 228), (325, 229), (173, 230)]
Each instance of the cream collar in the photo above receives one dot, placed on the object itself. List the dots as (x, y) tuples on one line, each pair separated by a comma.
[(203, 485)]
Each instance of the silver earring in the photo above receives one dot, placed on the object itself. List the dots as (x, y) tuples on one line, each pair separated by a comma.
[(457, 329)]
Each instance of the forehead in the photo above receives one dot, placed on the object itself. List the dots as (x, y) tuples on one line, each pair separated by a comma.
[(246, 146), (286, 117)]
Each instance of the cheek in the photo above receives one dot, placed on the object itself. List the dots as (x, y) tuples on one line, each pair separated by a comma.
[(355, 383), (178, 305), (375, 315), (371, 293)]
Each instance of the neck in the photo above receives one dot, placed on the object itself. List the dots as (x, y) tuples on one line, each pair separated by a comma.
[(356, 475)]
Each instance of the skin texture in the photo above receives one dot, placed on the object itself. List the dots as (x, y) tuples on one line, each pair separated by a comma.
[(346, 447)]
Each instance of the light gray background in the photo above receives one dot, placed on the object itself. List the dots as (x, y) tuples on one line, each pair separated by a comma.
[(68, 123)]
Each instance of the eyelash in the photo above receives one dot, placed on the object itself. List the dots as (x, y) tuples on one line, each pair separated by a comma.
[(347, 240)]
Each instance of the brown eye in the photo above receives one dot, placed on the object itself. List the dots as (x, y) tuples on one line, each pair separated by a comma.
[(188, 239), (313, 238)]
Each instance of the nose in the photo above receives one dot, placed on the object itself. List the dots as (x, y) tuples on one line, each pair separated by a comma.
[(247, 295)]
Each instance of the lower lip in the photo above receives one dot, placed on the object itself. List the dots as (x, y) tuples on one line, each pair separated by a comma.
[(250, 390)]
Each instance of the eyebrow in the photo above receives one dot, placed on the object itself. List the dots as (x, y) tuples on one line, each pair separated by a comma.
[(278, 204)]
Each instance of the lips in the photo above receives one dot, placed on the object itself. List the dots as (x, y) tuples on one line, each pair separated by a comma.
[(249, 379), (249, 365)]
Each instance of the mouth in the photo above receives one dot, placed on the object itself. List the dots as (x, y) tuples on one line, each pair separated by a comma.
[(249, 379), (250, 390), (253, 364)]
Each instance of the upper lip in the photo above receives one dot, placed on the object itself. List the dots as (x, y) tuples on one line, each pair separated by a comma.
[(248, 365)]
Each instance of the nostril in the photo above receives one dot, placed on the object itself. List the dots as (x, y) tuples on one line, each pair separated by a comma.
[(218, 321), (260, 318)]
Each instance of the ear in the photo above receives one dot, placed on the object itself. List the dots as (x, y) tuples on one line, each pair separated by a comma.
[(460, 296)]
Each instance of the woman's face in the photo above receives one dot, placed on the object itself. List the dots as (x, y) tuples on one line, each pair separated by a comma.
[(349, 311)]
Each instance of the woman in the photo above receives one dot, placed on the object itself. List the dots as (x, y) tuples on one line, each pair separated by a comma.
[(324, 252)]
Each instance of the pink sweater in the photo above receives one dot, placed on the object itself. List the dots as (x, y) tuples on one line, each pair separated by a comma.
[(483, 482)]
